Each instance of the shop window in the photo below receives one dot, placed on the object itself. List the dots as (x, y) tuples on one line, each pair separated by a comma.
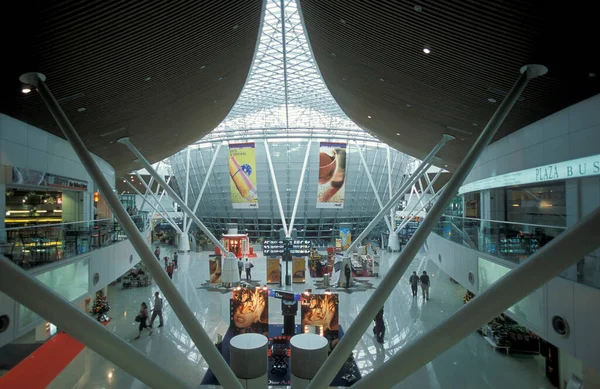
[(544, 205)]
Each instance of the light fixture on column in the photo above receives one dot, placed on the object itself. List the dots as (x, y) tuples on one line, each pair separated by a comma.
[(26, 89)]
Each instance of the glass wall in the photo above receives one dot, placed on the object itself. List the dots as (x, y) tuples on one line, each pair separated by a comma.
[(544, 205)]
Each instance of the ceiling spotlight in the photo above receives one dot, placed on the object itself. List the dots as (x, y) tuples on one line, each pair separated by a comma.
[(381, 79), (202, 67), (148, 78), (342, 21), (397, 133), (492, 100), (235, 27), (81, 109), (475, 124), (408, 105), (418, 8), (426, 50), (369, 116), (26, 89)]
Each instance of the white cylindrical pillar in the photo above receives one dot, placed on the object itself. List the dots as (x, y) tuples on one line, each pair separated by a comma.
[(249, 360), (308, 353), (183, 243), (394, 242)]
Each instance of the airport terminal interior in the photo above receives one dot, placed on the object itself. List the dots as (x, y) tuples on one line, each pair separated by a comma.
[(299, 194)]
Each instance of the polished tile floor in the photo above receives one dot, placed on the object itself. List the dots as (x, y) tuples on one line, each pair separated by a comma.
[(469, 364)]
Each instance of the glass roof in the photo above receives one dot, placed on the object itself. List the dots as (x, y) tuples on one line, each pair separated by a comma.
[(285, 95)]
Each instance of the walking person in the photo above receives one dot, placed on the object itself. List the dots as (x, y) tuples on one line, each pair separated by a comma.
[(240, 267), (157, 253), (166, 262), (379, 328), (176, 260), (170, 270), (425, 285), (157, 310), (347, 273), (414, 283), (142, 317), (248, 266)]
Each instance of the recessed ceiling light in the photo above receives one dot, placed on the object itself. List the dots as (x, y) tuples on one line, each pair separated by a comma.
[(343, 79), (475, 124), (491, 100), (220, 78), (202, 67), (408, 105), (342, 21), (215, 101), (81, 109), (592, 74), (235, 27), (397, 133), (333, 54), (418, 8), (26, 89), (381, 79), (426, 50), (369, 116), (445, 165), (148, 78)]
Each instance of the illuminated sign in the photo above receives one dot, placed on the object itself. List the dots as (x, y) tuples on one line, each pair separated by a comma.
[(576, 168)]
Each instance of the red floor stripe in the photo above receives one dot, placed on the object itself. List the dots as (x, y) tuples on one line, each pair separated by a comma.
[(39, 369)]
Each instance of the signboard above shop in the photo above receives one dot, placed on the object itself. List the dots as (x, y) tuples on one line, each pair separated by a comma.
[(30, 177), (278, 247)]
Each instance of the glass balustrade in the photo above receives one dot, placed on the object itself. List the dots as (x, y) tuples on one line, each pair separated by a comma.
[(39, 245), (514, 242)]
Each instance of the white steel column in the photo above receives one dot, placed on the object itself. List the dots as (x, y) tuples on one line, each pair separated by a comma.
[(26, 290), (409, 218), (563, 251), (368, 173), (423, 205), (276, 188), (394, 200), (187, 183), (389, 170), (304, 164), (167, 218), (148, 190), (142, 160), (166, 213), (200, 338), (340, 353), (206, 177)]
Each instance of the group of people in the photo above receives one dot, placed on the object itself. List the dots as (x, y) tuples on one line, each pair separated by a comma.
[(132, 211), (424, 281), (245, 265), (143, 315), (170, 266)]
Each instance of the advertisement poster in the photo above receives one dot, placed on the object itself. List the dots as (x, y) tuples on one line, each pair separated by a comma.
[(242, 173), (249, 310), (345, 237), (320, 311), (273, 271), (332, 175), (214, 266), (298, 270)]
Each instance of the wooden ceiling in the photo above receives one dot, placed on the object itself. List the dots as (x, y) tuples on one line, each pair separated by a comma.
[(164, 73), (371, 55)]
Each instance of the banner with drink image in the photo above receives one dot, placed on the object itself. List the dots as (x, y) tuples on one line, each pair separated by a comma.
[(332, 175), (242, 174)]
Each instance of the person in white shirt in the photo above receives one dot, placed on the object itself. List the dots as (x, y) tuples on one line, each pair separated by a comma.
[(248, 266), (157, 310)]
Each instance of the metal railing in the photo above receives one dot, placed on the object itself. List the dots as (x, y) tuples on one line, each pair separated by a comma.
[(39, 245)]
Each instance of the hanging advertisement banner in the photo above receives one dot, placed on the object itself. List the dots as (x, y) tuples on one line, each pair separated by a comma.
[(242, 176), (215, 268), (273, 271), (320, 314), (345, 237), (332, 175), (298, 270), (249, 311)]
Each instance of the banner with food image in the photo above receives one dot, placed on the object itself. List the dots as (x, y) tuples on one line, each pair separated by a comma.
[(332, 175), (242, 175), (249, 310), (273, 271), (320, 313), (298, 270), (214, 268)]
